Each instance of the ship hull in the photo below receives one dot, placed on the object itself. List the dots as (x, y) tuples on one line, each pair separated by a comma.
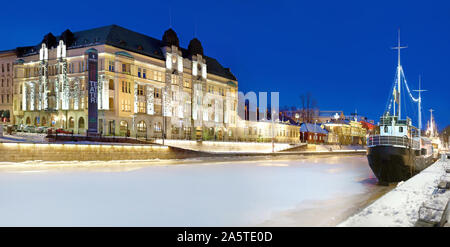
[(394, 164)]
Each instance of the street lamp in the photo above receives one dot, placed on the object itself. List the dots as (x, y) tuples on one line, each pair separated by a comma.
[(163, 114), (273, 132)]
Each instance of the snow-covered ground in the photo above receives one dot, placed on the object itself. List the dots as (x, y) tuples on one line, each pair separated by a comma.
[(286, 191), (400, 207), (24, 137)]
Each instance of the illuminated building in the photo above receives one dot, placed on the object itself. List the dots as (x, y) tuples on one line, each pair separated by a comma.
[(7, 59), (146, 86)]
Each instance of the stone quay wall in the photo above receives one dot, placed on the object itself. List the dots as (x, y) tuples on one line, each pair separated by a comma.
[(19, 152)]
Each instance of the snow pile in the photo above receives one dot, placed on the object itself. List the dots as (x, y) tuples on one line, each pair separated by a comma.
[(400, 207)]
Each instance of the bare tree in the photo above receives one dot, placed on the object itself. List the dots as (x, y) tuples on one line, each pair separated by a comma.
[(309, 107)]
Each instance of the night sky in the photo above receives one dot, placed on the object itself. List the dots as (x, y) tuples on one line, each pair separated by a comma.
[(339, 51)]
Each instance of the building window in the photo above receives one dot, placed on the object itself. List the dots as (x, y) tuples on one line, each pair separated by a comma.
[(139, 72), (187, 83), (142, 127), (126, 68), (126, 105), (71, 122), (141, 107), (141, 90), (123, 127), (111, 66), (174, 79), (111, 103), (111, 84), (400, 129), (157, 76), (144, 74), (81, 123), (157, 93), (157, 127)]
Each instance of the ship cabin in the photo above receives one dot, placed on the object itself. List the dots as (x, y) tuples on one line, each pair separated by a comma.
[(392, 126), (395, 132)]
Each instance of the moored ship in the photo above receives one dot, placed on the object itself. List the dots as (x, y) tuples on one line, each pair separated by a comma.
[(398, 151)]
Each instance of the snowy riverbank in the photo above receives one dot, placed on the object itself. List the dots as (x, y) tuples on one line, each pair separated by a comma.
[(400, 207)]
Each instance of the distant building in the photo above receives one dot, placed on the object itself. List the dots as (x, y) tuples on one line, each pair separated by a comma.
[(346, 132), (313, 133), (261, 131), (329, 116), (7, 59), (321, 116)]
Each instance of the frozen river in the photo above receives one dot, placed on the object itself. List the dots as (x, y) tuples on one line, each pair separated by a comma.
[(284, 191)]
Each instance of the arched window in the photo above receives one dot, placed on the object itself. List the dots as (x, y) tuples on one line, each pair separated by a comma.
[(44, 121), (53, 121), (28, 122), (71, 122), (142, 127), (81, 123), (123, 127), (36, 121)]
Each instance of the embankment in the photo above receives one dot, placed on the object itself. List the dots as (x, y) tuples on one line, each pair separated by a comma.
[(19, 152)]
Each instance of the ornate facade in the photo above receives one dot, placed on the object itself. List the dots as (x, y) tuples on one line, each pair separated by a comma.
[(147, 87)]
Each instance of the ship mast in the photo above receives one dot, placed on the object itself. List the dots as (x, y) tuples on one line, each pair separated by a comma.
[(431, 123), (420, 108), (399, 69)]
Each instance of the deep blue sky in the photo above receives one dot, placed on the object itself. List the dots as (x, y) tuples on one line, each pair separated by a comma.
[(337, 50)]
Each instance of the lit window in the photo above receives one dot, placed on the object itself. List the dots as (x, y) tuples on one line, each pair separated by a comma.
[(141, 89), (111, 66)]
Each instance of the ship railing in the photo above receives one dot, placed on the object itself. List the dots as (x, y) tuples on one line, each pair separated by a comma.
[(378, 140)]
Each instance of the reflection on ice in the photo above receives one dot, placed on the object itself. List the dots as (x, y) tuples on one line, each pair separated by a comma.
[(193, 192)]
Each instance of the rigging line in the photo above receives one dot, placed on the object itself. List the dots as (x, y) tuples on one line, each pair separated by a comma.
[(407, 106), (388, 106), (407, 87)]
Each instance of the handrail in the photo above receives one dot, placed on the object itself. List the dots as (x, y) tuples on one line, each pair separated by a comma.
[(377, 140)]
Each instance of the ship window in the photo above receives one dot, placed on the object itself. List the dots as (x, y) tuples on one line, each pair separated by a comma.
[(400, 129), (385, 129)]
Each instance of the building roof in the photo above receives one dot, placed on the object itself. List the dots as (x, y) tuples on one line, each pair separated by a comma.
[(7, 52), (312, 128), (367, 125), (126, 39)]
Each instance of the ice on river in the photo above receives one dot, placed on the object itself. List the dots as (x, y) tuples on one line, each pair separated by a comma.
[(232, 192)]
